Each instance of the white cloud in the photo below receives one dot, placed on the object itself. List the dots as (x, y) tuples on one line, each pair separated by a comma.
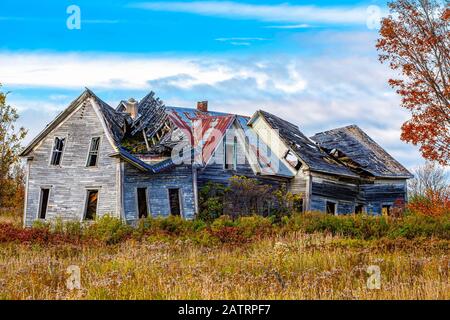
[(275, 13), (129, 72), (290, 26), (317, 93)]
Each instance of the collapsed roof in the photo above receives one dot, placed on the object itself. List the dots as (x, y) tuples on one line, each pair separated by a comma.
[(147, 139), (351, 143)]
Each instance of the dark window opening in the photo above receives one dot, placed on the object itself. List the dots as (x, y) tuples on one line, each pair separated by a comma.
[(142, 202), (359, 208), (331, 207), (44, 203), (386, 210), (91, 205), (174, 201), (93, 152), (230, 154), (298, 205), (58, 147)]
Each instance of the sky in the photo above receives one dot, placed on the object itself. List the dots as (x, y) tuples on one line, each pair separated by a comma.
[(313, 63)]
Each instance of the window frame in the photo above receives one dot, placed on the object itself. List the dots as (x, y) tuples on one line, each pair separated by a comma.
[(389, 205), (363, 208), (180, 201), (147, 202), (233, 145), (335, 207), (62, 151), (89, 152), (88, 190), (38, 215)]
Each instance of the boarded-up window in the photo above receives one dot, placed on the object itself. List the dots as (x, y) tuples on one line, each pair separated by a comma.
[(174, 201), (142, 202), (58, 147), (93, 152), (331, 207), (91, 205), (43, 203)]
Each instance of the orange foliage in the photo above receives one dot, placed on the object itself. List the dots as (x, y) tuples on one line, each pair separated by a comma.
[(415, 40), (433, 203)]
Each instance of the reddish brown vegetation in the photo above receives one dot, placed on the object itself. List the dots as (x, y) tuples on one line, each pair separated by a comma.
[(11, 233), (433, 203), (415, 40)]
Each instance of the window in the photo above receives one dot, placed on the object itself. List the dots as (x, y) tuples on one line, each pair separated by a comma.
[(247, 149), (359, 208), (93, 152), (91, 205), (292, 159), (386, 210), (43, 203), (298, 205), (331, 207), (142, 202), (174, 202), (230, 154), (58, 147)]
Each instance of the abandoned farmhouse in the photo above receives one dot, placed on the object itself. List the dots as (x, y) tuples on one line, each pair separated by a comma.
[(144, 158)]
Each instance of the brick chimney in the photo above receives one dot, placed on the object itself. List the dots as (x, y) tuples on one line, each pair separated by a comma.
[(202, 106), (132, 108)]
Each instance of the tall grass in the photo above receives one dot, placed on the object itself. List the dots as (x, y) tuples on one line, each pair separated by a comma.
[(308, 256), (294, 266)]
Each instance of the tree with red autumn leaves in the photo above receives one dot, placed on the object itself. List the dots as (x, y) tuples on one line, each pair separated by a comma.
[(415, 40)]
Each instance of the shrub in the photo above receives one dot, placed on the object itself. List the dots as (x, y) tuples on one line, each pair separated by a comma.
[(211, 201), (432, 203), (254, 226), (109, 230), (228, 234)]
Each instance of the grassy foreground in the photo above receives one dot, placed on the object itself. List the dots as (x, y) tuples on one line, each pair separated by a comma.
[(292, 265)]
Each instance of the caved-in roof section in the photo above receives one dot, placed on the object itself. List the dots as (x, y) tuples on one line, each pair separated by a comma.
[(359, 147), (305, 148), (151, 115)]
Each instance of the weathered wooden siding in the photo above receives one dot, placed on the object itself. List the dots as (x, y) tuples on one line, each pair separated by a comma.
[(157, 191), (69, 182), (379, 194), (347, 196)]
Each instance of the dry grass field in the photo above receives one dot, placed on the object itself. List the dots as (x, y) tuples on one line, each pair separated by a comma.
[(290, 266)]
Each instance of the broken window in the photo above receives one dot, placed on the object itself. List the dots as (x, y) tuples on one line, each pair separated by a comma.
[(386, 210), (230, 151), (93, 152), (142, 202), (292, 159), (331, 207), (43, 203), (359, 208), (174, 202), (58, 147), (91, 205)]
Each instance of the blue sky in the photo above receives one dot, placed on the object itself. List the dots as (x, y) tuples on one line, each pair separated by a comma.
[(311, 62)]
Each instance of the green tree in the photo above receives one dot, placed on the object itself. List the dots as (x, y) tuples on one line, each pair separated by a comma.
[(11, 174)]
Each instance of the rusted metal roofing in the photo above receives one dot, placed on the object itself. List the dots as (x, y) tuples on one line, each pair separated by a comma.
[(203, 129), (355, 144)]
